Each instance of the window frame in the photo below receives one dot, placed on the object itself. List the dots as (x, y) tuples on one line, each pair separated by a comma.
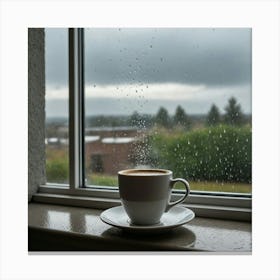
[(208, 204)]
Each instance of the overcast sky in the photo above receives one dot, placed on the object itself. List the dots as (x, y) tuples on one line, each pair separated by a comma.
[(141, 69)]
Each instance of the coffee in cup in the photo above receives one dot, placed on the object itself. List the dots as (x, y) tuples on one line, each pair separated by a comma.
[(145, 194)]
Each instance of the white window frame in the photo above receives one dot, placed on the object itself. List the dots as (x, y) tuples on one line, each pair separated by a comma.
[(206, 204)]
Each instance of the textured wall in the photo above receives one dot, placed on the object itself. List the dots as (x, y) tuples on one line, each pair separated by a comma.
[(36, 110)]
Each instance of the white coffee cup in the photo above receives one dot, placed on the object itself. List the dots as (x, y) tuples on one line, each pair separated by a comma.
[(145, 194)]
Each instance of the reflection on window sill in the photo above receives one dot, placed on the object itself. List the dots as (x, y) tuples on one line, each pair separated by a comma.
[(65, 228)]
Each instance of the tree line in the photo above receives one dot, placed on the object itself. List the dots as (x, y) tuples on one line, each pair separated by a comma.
[(181, 119), (233, 116)]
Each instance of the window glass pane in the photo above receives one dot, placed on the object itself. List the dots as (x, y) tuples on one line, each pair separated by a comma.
[(56, 140), (171, 98)]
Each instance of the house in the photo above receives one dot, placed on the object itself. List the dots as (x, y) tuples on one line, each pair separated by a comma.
[(109, 150)]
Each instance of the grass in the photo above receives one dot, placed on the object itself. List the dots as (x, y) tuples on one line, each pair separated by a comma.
[(220, 187), (108, 180), (102, 180)]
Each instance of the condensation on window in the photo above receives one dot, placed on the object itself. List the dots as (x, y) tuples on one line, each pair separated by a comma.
[(173, 98)]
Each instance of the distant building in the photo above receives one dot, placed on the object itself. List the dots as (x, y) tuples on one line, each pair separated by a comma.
[(109, 150), (56, 141)]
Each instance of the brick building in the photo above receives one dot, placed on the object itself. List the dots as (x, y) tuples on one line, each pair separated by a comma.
[(109, 150)]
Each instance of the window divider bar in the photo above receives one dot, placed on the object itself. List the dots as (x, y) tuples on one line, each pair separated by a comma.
[(76, 109), (81, 106)]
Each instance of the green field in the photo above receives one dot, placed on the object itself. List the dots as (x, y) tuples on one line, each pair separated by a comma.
[(107, 180)]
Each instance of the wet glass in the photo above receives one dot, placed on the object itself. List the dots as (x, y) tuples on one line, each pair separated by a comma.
[(172, 98), (57, 97)]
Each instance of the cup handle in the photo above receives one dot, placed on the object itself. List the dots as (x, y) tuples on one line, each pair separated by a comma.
[(172, 183)]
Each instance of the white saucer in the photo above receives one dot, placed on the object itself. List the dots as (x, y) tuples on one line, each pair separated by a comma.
[(175, 217)]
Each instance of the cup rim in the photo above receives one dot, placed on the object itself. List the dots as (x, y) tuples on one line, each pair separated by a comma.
[(162, 172)]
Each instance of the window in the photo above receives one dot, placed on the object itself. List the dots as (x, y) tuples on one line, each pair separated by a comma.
[(56, 129), (178, 99), (171, 98)]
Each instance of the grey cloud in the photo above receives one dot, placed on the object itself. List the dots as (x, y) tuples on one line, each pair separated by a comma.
[(213, 57)]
